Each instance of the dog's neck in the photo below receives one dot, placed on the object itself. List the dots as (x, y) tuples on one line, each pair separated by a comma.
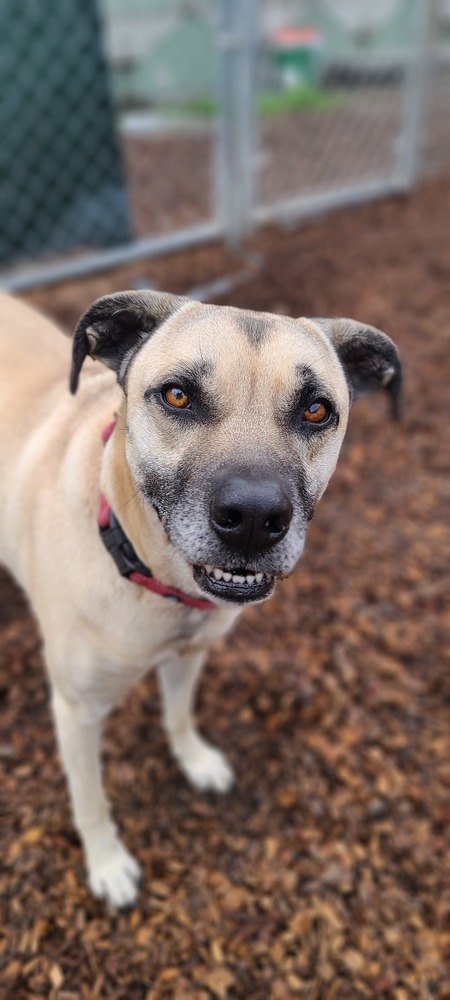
[(139, 520)]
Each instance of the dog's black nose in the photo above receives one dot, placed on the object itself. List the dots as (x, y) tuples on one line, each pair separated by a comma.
[(250, 514)]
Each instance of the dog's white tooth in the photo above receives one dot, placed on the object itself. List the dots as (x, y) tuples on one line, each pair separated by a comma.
[(259, 577), (218, 573), (227, 577), (250, 578), (209, 569), (238, 579)]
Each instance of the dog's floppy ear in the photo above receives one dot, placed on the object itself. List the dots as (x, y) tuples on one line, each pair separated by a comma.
[(116, 326), (369, 358)]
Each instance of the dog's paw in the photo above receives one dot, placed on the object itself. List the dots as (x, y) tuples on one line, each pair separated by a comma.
[(208, 769), (115, 875)]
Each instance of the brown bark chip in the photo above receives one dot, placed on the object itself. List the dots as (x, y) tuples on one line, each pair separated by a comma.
[(325, 874)]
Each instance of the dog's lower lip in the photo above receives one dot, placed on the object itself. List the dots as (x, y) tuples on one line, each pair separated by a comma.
[(238, 586)]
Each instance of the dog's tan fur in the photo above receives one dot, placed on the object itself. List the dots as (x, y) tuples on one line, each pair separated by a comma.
[(101, 632)]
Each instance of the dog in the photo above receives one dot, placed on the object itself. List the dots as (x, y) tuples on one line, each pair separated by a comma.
[(144, 509)]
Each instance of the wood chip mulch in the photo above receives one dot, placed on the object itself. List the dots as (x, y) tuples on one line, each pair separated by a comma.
[(325, 873)]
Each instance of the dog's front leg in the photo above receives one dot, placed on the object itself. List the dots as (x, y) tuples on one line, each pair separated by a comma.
[(113, 872), (204, 766)]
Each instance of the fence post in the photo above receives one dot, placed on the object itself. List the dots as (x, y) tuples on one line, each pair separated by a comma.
[(237, 47), (415, 100)]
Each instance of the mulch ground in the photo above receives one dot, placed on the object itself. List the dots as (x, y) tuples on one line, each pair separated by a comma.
[(325, 874)]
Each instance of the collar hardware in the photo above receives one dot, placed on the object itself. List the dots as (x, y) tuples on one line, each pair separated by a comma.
[(120, 548)]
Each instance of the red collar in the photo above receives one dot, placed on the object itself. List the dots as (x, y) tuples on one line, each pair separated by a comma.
[(127, 562)]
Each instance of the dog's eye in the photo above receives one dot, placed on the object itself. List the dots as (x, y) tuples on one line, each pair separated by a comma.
[(175, 396), (318, 412)]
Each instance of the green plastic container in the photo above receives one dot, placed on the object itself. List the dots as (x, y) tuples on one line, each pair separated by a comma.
[(297, 54)]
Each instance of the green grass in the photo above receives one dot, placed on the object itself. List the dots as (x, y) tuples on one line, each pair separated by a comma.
[(306, 98), (201, 107), (270, 104)]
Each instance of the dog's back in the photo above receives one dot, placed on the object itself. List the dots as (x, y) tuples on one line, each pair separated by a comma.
[(37, 416), (35, 361)]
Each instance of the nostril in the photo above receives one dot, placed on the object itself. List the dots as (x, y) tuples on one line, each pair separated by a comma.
[(231, 519), (228, 517), (275, 524)]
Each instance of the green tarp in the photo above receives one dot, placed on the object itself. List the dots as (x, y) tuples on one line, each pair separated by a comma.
[(61, 179)]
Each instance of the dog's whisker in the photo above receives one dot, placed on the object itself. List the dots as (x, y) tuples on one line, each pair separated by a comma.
[(130, 499)]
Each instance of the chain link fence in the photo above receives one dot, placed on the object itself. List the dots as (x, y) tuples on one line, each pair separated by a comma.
[(347, 122), (62, 181), (130, 127)]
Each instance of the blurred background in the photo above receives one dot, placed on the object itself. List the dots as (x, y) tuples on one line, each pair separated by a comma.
[(134, 127)]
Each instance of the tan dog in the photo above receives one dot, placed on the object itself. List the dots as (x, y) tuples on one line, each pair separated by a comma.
[(229, 425)]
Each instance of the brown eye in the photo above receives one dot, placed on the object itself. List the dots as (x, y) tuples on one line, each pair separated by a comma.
[(176, 397), (317, 413)]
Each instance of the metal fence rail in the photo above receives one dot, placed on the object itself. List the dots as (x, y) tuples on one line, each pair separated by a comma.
[(134, 127)]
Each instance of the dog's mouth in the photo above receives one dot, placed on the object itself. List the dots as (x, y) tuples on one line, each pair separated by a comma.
[(241, 586)]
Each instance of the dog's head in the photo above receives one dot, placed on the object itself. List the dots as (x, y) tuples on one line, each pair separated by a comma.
[(235, 420)]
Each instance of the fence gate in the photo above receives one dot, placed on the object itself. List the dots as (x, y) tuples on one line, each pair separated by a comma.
[(338, 102)]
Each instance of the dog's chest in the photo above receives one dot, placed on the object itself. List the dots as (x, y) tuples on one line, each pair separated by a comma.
[(117, 657), (155, 629)]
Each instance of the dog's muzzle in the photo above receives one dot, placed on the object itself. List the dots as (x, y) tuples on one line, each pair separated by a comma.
[(249, 515)]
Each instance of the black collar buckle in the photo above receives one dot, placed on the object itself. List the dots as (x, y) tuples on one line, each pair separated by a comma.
[(121, 549)]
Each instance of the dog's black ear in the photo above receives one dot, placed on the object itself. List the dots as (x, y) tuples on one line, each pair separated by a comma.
[(116, 326), (369, 358)]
